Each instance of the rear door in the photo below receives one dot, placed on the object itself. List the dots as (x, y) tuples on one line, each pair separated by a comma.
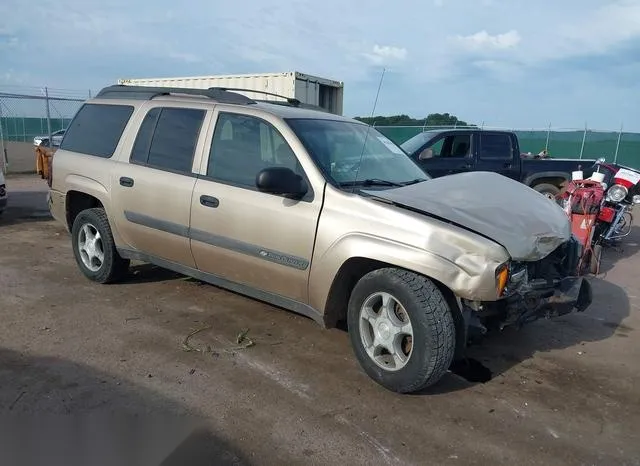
[(496, 153), (449, 153), (152, 189)]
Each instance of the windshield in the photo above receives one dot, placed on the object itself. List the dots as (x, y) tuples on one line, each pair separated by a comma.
[(339, 149), (410, 146)]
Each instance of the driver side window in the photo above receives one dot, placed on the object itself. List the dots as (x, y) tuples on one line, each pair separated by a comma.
[(454, 145), (242, 146), (436, 148)]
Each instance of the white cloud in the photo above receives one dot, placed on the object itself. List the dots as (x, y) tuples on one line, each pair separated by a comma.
[(381, 54), (461, 49), (484, 41), (602, 28)]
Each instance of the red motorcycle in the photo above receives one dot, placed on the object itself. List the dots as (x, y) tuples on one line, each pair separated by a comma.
[(600, 208), (622, 185)]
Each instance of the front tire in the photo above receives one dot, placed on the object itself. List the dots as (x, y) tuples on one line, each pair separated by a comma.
[(94, 249), (401, 329)]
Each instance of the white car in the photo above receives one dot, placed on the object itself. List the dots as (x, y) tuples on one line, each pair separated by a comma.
[(56, 136), (3, 193)]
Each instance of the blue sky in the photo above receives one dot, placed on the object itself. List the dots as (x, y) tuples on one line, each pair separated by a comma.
[(509, 63)]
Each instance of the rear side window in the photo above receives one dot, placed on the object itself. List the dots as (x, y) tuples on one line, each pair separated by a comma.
[(495, 146), (96, 129), (140, 151), (167, 138)]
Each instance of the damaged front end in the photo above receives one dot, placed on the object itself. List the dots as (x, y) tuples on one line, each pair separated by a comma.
[(546, 288)]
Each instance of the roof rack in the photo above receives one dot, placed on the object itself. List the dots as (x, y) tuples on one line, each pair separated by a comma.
[(287, 104), (290, 100), (121, 91)]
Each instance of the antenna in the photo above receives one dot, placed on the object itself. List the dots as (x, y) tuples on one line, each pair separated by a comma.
[(366, 136)]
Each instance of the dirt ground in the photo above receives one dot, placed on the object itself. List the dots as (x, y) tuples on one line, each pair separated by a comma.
[(560, 392)]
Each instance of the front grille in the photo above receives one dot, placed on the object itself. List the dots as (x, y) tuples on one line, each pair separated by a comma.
[(563, 261)]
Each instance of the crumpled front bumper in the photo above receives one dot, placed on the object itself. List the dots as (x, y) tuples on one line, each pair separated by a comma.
[(546, 299)]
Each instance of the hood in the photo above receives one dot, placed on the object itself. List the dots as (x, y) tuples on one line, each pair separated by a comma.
[(527, 224)]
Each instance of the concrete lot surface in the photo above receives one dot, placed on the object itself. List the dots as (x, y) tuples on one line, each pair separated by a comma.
[(561, 392)]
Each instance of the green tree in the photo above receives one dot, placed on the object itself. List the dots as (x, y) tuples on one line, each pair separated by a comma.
[(433, 119)]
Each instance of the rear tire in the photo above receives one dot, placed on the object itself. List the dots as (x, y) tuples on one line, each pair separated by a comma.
[(418, 327), (94, 249), (548, 190)]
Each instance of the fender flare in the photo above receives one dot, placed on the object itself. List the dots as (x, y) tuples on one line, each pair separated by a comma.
[(88, 186), (91, 187), (529, 181), (466, 275)]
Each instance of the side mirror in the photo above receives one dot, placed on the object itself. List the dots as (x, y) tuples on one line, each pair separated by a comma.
[(281, 180), (426, 154), (601, 160)]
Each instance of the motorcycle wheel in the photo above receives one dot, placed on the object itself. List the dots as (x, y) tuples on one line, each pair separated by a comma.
[(594, 259)]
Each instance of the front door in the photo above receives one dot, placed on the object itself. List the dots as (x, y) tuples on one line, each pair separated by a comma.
[(262, 241), (152, 193), (448, 154)]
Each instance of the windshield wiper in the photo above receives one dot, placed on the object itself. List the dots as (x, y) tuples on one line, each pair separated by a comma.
[(417, 180), (371, 182)]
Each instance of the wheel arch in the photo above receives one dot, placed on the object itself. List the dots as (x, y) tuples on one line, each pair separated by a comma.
[(555, 178), (76, 202), (354, 268)]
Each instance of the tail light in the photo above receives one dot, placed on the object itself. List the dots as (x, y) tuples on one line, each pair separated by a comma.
[(607, 214)]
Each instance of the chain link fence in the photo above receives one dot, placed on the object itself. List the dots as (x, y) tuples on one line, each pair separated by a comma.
[(614, 146), (30, 115)]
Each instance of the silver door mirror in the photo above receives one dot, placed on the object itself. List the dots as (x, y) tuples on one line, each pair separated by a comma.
[(426, 154)]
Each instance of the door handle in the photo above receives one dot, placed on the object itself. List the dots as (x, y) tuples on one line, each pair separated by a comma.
[(126, 182), (507, 165), (209, 201)]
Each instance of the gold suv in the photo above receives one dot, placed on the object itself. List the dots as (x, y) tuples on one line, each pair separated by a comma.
[(312, 212)]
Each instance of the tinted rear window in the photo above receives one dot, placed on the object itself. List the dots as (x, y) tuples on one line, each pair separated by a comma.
[(140, 151), (495, 146), (167, 138), (96, 129)]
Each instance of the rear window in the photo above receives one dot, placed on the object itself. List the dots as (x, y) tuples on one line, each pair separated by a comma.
[(167, 138), (495, 146), (96, 129)]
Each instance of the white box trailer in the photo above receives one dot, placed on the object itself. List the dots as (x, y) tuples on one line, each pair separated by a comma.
[(325, 93)]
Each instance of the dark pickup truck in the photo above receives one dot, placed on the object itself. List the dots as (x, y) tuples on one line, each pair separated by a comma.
[(444, 152)]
